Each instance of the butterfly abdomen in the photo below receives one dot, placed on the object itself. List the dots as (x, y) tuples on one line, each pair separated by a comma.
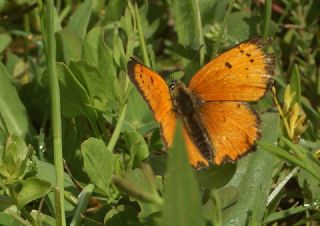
[(187, 105)]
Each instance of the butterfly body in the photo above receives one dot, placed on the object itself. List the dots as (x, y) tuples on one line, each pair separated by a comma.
[(218, 124), (187, 105)]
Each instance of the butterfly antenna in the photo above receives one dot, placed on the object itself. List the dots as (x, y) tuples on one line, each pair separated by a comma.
[(171, 78)]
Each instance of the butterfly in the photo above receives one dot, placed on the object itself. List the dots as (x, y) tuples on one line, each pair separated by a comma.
[(218, 123)]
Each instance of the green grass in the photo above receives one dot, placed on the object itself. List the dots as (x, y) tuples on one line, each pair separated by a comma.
[(79, 146)]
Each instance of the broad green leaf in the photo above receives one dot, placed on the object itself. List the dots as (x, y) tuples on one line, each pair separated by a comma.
[(141, 118), (46, 172), (187, 16), (16, 159), (12, 111), (140, 184), (98, 162), (75, 100), (79, 21), (310, 186), (216, 176), (246, 26), (115, 9), (212, 11), (32, 189), (45, 219), (7, 219), (93, 81), (97, 53), (137, 146), (182, 205), (255, 179), (5, 40), (68, 46)]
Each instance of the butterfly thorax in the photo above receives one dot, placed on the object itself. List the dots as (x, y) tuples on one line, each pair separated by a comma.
[(186, 104)]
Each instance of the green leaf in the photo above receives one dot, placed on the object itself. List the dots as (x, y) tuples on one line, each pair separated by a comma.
[(140, 184), (285, 213), (32, 189), (301, 157), (295, 84), (141, 119), (98, 162), (122, 215), (7, 219), (115, 9), (46, 171), (16, 159), (68, 46), (75, 100), (310, 186), (137, 146), (212, 11), (182, 198), (246, 26), (216, 176), (93, 81), (5, 40), (255, 179), (98, 54), (83, 201), (46, 220), (186, 22), (79, 21), (12, 111)]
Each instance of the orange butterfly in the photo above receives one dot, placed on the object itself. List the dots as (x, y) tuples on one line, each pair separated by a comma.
[(218, 125)]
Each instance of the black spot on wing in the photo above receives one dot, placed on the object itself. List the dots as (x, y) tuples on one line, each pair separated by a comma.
[(228, 65)]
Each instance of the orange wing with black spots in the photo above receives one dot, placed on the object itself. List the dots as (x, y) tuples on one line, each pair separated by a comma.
[(243, 73), (156, 93), (233, 128)]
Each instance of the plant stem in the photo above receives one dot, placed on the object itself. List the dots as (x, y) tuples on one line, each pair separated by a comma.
[(117, 130), (199, 24), (217, 45), (267, 17), (140, 32), (50, 49)]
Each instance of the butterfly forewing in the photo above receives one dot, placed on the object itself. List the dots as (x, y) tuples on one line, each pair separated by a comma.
[(156, 93), (242, 73)]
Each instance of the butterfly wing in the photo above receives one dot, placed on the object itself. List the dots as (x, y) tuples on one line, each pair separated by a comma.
[(195, 158), (233, 128), (156, 93), (243, 73)]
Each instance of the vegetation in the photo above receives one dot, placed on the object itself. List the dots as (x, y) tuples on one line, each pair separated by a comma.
[(79, 146)]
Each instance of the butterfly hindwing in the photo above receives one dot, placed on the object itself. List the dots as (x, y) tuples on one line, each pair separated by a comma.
[(156, 93), (233, 128), (243, 73), (194, 155)]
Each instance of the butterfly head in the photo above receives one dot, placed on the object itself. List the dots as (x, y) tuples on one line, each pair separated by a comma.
[(173, 84)]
